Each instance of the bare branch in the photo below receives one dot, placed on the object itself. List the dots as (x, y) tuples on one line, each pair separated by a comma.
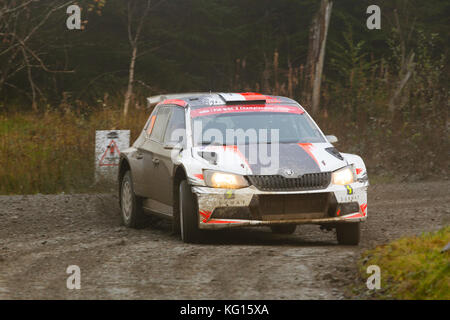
[(30, 80), (41, 63), (42, 22), (17, 8), (155, 48)]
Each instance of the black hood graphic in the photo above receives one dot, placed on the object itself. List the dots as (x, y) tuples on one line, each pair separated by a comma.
[(292, 159)]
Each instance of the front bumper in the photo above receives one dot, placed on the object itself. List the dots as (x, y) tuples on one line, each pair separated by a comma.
[(223, 208)]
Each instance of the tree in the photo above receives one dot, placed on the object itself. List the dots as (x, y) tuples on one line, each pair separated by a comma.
[(316, 54), (133, 10), (20, 49), (406, 60)]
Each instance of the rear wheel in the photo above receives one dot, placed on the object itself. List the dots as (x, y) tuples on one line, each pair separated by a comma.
[(348, 233), (190, 232), (284, 229), (131, 205)]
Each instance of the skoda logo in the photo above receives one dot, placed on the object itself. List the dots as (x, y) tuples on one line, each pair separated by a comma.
[(289, 172)]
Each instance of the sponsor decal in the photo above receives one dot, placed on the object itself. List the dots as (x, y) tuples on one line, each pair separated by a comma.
[(229, 194), (349, 189), (245, 108)]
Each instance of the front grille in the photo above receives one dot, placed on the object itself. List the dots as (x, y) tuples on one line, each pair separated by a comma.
[(294, 206), (310, 181)]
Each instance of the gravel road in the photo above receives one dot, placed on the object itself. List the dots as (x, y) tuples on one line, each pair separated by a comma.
[(41, 235)]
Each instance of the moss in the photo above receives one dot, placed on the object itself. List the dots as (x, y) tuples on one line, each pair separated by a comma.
[(412, 267)]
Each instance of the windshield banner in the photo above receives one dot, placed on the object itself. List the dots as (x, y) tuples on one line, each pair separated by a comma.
[(245, 108)]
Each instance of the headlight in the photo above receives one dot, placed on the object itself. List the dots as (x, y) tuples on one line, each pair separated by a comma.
[(343, 176), (224, 180)]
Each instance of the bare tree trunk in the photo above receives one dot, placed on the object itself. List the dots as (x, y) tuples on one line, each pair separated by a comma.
[(407, 72), (407, 64), (134, 46), (316, 55), (130, 82)]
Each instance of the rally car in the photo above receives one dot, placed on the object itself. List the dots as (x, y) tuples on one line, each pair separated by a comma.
[(227, 160)]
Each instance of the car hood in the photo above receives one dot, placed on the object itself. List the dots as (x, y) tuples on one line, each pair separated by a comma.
[(287, 159)]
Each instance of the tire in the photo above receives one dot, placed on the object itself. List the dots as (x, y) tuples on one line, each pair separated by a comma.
[(130, 204), (348, 233), (284, 229), (189, 230)]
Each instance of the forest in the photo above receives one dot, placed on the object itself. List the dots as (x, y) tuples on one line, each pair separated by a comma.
[(382, 92)]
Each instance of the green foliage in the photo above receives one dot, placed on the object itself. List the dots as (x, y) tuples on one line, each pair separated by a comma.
[(412, 267)]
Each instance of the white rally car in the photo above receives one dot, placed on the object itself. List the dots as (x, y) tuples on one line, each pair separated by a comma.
[(226, 160)]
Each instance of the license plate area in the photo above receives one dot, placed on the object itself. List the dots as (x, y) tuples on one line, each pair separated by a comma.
[(293, 206)]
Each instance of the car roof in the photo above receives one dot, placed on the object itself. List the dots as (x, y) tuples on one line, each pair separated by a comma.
[(201, 99)]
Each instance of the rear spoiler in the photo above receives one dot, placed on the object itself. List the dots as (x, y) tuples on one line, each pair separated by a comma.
[(228, 98), (154, 100)]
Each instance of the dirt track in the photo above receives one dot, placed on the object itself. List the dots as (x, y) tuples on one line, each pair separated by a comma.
[(41, 235)]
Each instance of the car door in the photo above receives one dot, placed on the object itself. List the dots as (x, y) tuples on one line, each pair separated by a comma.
[(166, 154), (169, 127), (146, 152), (136, 159)]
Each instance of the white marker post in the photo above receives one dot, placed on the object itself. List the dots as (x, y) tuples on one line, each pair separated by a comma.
[(108, 144)]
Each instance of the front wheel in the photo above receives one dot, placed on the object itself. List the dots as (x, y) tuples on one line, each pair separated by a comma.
[(348, 233), (190, 232)]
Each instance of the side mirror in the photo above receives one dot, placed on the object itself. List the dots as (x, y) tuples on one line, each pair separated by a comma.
[(173, 145), (331, 139)]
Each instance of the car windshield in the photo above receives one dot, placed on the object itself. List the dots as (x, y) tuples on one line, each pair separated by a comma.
[(254, 127)]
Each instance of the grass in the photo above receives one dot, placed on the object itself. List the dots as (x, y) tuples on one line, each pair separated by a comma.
[(412, 267), (54, 152)]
